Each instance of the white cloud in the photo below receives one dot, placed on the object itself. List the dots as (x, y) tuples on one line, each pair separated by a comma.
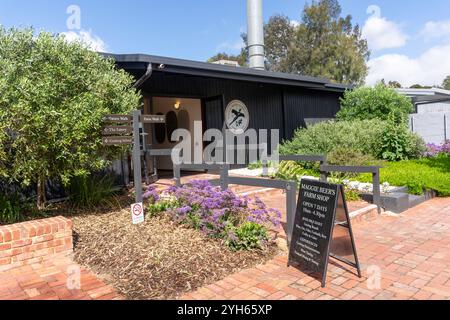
[(436, 30), (93, 42), (231, 46), (381, 33), (295, 23), (428, 69)]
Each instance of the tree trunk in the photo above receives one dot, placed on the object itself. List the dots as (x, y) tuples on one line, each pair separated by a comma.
[(41, 199)]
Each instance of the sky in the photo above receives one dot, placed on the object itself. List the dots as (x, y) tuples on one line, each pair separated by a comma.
[(409, 40)]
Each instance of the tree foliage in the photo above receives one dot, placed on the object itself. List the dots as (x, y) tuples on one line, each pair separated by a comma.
[(241, 58), (419, 86), (394, 85), (327, 45), (279, 34), (324, 44), (446, 83), (53, 98), (379, 102)]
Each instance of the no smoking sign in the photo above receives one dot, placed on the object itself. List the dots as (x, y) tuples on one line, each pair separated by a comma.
[(137, 213)]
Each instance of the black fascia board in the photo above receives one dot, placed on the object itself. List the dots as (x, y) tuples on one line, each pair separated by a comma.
[(204, 69)]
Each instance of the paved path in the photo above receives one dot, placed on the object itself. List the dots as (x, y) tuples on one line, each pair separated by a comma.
[(403, 257), (51, 281)]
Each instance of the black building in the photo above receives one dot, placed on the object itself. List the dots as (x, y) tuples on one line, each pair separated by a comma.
[(188, 91)]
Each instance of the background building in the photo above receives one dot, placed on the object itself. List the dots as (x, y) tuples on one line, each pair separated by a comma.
[(431, 118)]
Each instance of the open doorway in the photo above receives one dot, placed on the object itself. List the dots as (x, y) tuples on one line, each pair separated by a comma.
[(181, 113)]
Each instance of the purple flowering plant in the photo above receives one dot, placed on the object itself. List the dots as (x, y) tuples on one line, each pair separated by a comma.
[(241, 222), (435, 150), (151, 194)]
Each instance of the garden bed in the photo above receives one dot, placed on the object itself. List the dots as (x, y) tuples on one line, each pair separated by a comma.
[(158, 259)]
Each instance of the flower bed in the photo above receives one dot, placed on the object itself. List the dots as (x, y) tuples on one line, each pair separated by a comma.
[(192, 236), (240, 222)]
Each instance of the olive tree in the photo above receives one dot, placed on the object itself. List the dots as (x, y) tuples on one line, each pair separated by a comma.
[(53, 98)]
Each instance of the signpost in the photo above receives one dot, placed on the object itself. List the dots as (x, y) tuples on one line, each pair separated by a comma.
[(117, 141), (153, 119), (118, 118), (137, 157), (322, 229), (125, 134), (115, 130)]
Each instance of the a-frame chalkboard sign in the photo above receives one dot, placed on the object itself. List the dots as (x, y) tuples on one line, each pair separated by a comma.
[(322, 229)]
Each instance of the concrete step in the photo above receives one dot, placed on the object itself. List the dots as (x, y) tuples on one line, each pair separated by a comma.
[(400, 201)]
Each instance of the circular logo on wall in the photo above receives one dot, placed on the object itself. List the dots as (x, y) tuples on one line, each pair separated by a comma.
[(237, 117)]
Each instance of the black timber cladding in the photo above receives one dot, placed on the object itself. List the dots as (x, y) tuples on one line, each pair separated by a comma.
[(275, 100)]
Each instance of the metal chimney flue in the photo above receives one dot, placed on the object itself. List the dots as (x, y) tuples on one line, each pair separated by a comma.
[(255, 34)]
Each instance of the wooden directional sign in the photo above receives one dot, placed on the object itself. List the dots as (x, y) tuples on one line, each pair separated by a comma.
[(153, 119), (117, 130), (118, 118), (321, 211), (117, 141)]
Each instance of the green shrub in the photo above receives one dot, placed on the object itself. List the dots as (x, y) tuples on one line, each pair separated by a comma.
[(322, 138), (398, 143), (259, 165), (341, 156), (54, 96), (291, 170), (416, 146), (91, 190), (417, 175), (154, 209), (379, 102), (352, 195), (348, 157), (373, 138), (248, 236), (394, 143)]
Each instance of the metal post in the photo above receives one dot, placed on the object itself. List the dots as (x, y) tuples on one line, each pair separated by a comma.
[(177, 175), (376, 189), (323, 174), (137, 156), (224, 176), (291, 208), (445, 128), (144, 149), (265, 166)]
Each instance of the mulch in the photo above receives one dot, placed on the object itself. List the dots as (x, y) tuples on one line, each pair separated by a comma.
[(158, 259)]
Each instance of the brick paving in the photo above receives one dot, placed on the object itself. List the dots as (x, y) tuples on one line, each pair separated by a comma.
[(51, 280), (410, 252), (404, 257)]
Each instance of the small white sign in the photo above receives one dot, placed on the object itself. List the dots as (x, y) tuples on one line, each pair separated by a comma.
[(237, 117), (137, 212)]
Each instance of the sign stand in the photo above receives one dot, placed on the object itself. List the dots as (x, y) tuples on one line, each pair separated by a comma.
[(334, 252), (322, 229)]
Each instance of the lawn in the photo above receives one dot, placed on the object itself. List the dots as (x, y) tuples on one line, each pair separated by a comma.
[(417, 175)]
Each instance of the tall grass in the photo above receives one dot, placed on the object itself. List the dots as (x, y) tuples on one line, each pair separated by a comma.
[(91, 191), (10, 209)]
